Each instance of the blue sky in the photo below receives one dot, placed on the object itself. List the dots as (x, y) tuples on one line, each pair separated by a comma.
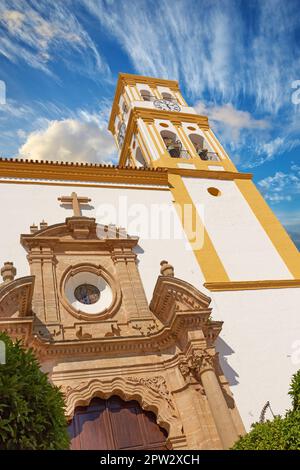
[(236, 61)]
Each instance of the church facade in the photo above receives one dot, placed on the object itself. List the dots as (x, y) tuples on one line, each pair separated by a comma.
[(161, 294)]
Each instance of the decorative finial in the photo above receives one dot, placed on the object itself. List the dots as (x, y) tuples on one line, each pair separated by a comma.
[(34, 228), (166, 269), (8, 271), (43, 225)]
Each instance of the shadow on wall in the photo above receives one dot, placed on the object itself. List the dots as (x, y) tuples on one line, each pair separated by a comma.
[(224, 350)]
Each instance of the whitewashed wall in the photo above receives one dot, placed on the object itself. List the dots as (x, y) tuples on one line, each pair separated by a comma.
[(243, 246), (259, 347), (23, 204)]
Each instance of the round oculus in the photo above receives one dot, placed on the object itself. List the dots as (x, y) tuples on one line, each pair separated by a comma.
[(87, 294)]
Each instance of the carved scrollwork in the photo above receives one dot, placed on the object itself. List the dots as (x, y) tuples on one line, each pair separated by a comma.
[(196, 363), (157, 384), (151, 392)]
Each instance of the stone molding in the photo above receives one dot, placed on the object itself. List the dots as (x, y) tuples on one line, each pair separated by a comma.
[(151, 393)]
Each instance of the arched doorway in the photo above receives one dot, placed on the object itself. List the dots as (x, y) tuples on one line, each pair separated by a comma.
[(115, 424)]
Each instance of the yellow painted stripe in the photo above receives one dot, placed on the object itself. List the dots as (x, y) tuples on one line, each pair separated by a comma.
[(273, 228), (207, 257), (252, 285)]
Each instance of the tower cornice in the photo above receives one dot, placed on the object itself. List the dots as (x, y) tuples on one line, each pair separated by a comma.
[(131, 79)]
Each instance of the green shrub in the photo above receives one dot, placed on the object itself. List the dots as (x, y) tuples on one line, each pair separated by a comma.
[(31, 408), (283, 433)]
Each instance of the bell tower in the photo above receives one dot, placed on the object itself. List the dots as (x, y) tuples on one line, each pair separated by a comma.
[(242, 242), (154, 127)]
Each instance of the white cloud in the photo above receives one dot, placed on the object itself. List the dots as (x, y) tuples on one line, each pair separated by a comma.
[(70, 140), (41, 32), (230, 119), (272, 147), (14, 109), (281, 186), (210, 46)]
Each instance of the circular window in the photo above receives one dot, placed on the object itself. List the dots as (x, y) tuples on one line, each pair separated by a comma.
[(163, 124), (87, 294), (192, 128), (214, 191)]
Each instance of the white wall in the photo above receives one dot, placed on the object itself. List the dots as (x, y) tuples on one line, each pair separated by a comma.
[(243, 246), (259, 346), (23, 204)]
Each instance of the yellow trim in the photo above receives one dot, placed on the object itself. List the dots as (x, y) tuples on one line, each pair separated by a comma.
[(132, 78), (252, 285), (81, 172), (159, 140), (130, 92), (149, 128), (215, 142), (156, 92), (273, 228), (209, 174), (144, 149), (126, 99), (207, 257), (138, 93), (180, 98), (187, 141)]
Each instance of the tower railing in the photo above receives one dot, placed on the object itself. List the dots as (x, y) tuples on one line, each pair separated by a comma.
[(209, 156), (179, 153)]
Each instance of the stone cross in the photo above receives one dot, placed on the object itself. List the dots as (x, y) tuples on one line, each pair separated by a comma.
[(75, 201)]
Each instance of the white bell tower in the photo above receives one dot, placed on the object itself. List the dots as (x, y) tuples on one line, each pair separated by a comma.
[(154, 127)]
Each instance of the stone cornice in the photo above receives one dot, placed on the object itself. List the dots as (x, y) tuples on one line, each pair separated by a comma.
[(112, 346), (76, 171)]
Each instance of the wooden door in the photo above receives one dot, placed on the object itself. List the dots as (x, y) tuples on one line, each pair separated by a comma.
[(115, 424)]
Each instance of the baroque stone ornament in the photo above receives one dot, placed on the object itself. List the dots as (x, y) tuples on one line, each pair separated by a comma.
[(196, 363), (157, 384), (151, 393)]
